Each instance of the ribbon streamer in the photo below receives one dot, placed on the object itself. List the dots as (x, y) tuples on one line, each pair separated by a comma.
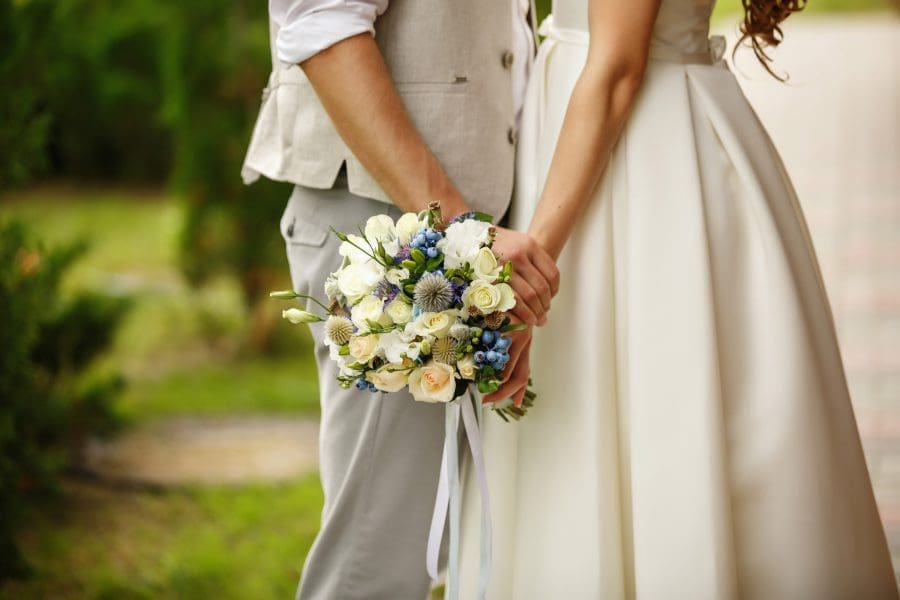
[(448, 496)]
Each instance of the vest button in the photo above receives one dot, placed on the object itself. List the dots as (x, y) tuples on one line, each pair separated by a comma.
[(508, 59), (512, 135)]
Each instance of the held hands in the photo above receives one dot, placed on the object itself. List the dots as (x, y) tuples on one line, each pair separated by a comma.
[(535, 281), (535, 278)]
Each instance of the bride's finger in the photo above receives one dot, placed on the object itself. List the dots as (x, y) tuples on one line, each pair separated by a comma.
[(535, 287), (518, 377), (523, 312)]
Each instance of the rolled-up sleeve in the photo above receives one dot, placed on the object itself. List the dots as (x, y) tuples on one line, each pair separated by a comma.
[(306, 27)]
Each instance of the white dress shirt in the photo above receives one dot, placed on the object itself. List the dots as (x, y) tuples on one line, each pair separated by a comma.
[(306, 27)]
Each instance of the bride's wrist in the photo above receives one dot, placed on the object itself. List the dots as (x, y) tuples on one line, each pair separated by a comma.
[(544, 240)]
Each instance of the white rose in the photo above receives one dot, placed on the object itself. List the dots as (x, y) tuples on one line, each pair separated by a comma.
[(407, 226), (395, 276), (399, 311), (466, 366), (434, 324), (484, 263), (380, 228), (355, 250), (358, 279), (433, 382), (369, 308), (363, 347), (488, 298), (389, 378), (397, 345), (462, 240)]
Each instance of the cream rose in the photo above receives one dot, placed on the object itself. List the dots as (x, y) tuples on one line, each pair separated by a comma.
[(489, 298), (435, 324), (466, 367), (395, 276), (363, 347), (380, 228), (407, 226), (484, 263), (369, 308), (358, 279), (433, 382), (399, 311), (389, 378)]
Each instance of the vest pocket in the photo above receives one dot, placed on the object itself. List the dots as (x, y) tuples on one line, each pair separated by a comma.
[(457, 85), (302, 233)]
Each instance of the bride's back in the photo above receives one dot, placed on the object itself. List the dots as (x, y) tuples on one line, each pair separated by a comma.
[(681, 25)]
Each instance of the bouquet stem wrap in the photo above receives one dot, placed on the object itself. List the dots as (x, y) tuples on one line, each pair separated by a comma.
[(448, 494)]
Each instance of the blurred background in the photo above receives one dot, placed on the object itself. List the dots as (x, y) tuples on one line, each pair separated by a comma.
[(157, 419)]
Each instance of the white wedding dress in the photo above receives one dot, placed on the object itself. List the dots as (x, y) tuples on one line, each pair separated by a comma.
[(693, 436)]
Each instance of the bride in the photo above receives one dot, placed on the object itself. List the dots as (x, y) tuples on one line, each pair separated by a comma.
[(693, 435)]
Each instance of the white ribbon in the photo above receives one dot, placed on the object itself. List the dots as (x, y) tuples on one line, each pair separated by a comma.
[(448, 493)]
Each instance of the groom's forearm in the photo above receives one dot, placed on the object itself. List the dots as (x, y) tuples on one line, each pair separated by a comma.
[(356, 89)]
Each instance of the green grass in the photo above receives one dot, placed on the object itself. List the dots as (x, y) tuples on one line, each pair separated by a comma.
[(218, 542), (271, 386)]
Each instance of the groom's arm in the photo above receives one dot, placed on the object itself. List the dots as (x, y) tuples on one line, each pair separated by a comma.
[(356, 89), (333, 44)]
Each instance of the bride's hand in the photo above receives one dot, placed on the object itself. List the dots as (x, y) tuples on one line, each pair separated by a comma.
[(517, 372), (535, 278)]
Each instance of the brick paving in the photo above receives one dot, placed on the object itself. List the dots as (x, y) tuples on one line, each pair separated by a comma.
[(837, 125)]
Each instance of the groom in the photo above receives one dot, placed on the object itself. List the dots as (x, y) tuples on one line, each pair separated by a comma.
[(364, 125)]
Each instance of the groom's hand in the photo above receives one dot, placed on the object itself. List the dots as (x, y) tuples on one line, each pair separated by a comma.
[(518, 370), (535, 278)]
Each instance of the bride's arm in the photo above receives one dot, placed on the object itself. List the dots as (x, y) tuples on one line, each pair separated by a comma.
[(597, 111)]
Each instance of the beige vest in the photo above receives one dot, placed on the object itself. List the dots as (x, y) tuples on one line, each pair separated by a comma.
[(450, 60)]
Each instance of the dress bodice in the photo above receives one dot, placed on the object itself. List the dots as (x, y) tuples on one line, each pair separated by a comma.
[(681, 25)]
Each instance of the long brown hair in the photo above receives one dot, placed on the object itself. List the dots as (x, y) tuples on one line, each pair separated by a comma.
[(762, 26)]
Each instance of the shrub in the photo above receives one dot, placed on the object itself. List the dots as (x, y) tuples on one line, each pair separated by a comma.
[(51, 401)]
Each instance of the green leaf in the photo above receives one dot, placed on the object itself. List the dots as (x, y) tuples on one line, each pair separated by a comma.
[(513, 327), (418, 256), (480, 216)]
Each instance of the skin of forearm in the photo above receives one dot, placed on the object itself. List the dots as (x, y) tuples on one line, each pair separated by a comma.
[(597, 112), (355, 87)]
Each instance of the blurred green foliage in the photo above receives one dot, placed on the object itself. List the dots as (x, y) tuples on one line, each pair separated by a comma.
[(49, 406), (223, 542), (141, 92)]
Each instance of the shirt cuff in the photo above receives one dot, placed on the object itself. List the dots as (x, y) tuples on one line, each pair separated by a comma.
[(309, 34)]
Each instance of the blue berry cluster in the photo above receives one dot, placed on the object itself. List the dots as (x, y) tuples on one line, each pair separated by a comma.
[(362, 385), (496, 350), (426, 241)]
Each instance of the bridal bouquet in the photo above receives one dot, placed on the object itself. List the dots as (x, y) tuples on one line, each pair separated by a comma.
[(419, 304)]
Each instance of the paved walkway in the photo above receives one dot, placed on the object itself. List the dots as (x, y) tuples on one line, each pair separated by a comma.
[(837, 125), (220, 450)]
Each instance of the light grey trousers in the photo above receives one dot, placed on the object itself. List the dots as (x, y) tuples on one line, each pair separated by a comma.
[(380, 453)]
